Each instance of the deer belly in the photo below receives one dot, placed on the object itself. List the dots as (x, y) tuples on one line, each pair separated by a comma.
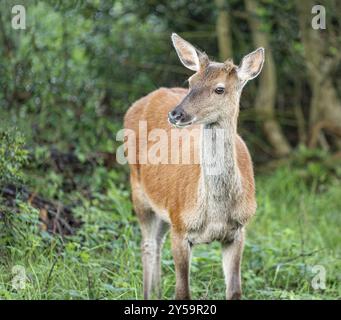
[(214, 230)]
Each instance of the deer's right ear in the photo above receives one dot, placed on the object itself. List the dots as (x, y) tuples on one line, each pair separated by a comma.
[(188, 55)]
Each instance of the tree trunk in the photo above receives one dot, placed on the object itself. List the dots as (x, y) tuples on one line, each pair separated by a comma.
[(266, 95), (325, 105), (223, 30)]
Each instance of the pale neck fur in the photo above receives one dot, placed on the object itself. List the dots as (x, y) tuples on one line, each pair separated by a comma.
[(224, 183)]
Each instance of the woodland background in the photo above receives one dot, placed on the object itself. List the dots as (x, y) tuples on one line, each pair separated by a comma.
[(66, 82)]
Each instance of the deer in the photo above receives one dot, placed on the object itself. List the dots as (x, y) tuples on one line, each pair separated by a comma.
[(187, 199)]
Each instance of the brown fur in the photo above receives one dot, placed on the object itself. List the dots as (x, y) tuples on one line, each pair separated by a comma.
[(162, 182), (158, 181)]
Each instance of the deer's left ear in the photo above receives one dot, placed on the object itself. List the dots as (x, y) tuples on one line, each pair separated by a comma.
[(251, 65)]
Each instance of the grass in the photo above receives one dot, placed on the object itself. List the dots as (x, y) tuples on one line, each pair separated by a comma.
[(295, 229)]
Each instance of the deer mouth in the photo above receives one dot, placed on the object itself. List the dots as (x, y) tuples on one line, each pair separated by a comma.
[(183, 125), (179, 124)]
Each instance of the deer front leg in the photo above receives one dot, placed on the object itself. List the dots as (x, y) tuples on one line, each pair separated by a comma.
[(232, 256), (182, 256)]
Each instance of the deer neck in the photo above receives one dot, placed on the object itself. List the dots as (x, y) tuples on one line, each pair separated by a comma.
[(220, 176)]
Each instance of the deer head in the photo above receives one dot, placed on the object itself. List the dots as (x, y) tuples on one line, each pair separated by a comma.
[(215, 88)]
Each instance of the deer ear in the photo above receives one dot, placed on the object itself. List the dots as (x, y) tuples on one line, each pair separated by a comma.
[(188, 54), (251, 65)]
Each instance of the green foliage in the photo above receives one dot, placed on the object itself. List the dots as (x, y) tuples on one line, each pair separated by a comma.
[(316, 167), (69, 68), (295, 229), (20, 229), (12, 156)]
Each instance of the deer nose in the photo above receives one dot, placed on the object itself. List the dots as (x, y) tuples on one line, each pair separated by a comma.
[(176, 115)]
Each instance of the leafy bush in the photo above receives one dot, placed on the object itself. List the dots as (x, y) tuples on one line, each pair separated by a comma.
[(12, 156), (317, 168)]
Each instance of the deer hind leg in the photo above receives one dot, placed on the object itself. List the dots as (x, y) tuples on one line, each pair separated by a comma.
[(182, 255), (232, 256), (161, 229), (148, 248), (153, 231)]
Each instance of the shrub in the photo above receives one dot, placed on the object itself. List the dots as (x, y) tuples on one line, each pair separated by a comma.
[(12, 157)]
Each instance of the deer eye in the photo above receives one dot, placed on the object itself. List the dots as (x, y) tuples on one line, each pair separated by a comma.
[(219, 90)]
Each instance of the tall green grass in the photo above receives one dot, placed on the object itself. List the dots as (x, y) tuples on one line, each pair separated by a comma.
[(297, 227)]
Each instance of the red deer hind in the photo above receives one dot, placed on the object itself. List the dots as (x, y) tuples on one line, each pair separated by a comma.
[(197, 205)]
